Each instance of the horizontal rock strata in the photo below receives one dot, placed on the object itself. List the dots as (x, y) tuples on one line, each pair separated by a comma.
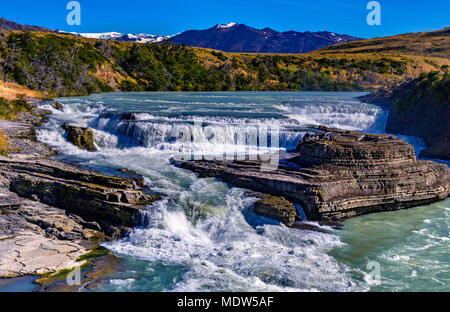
[(51, 212), (113, 202), (338, 174)]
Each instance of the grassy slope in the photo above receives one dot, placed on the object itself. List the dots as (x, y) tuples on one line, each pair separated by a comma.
[(421, 108), (434, 43), (366, 71), (63, 65)]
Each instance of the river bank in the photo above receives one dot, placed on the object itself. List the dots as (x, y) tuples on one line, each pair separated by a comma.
[(53, 214)]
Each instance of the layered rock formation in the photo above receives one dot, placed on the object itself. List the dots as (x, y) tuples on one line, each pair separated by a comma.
[(113, 202), (51, 213), (337, 174)]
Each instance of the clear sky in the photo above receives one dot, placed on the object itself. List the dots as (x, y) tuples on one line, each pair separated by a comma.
[(167, 17)]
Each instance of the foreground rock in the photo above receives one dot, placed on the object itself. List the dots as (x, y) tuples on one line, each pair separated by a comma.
[(36, 238), (114, 202), (337, 174), (81, 137), (51, 213)]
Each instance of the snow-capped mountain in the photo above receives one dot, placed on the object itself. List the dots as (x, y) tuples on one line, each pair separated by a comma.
[(233, 37), (226, 25), (141, 38)]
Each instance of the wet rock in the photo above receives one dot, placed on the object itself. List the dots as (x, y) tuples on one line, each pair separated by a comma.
[(276, 207), (83, 138), (57, 105)]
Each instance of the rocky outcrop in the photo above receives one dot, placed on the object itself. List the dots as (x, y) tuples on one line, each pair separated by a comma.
[(337, 174), (83, 138), (113, 202), (36, 238), (421, 108), (276, 207), (51, 213), (425, 112)]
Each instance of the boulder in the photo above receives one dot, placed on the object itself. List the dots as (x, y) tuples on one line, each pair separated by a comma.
[(275, 207), (57, 105), (81, 137)]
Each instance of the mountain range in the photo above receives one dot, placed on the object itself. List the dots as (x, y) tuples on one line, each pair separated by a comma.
[(141, 38), (231, 37), (58, 63), (234, 37)]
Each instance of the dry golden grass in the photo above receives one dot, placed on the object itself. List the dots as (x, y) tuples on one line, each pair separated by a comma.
[(434, 43), (107, 75), (5, 147), (10, 91)]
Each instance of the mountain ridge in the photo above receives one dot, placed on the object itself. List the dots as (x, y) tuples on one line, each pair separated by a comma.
[(11, 25), (230, 37), (234, 37)]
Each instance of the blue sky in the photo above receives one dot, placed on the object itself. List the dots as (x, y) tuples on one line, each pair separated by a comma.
[(166, 17)]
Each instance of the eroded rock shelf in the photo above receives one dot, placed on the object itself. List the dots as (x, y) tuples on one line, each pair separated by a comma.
[(51, 212), (338, 174)]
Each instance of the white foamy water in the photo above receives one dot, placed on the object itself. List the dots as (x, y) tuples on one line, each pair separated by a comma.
[(203, 235)]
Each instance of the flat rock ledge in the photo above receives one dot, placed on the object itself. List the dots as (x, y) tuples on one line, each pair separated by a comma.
[(114, 203), (51, 213), (337, 174)]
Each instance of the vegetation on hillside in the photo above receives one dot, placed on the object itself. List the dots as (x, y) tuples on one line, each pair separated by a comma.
[(65, 65), (10, 109), (434, 43), (429, 87), (5, 147), (51, 63)]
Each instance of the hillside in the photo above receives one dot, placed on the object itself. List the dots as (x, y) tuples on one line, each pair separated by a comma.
[(434, 43), (63, 65), (421, 108), (10, 25)]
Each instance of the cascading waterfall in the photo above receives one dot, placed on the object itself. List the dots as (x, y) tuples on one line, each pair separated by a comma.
[(204, 235)]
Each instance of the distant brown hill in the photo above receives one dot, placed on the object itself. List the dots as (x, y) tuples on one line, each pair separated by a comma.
[(10, 25), (433, 43)]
